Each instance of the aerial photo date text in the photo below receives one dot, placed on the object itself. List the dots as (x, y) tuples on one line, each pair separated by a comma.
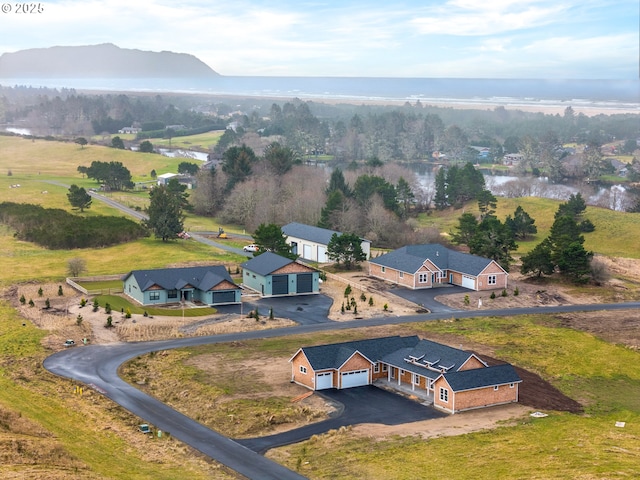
[(22, 8)]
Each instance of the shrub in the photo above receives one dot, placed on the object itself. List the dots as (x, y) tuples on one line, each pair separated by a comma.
[(347, 291), (271, 313), (342, 308), (40, 292), (145, 314), (31, 304), (467, 301), (79, 320), (107, 308), (363, 297), (60, 292), (493, 295), (96, 305), (83, 302), (385, 307), (109, 323), (504, 292), (516, 292), (371, 301), (47, 304), (127, 314), (355, 309), (23, 300)]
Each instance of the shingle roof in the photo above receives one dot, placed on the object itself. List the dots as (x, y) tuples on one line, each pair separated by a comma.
[(428, 353), (410, 258), (203, 278), (323, 357), (482, 377), (266, 263), (309, 232)]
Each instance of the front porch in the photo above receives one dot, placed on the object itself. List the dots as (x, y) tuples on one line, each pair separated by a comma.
[(411, 391)]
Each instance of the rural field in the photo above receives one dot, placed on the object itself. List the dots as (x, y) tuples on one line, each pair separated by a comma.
[(590, 362)]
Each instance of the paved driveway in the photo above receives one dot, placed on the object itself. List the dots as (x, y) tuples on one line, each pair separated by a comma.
[(367, 404), (302, 309), (426, 296)]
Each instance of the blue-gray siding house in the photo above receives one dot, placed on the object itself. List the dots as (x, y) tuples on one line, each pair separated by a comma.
[(210, 285), (272, 275)]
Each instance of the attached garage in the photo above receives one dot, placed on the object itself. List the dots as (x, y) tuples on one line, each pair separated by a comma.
[(324, 380), (355, 378), (224, 297), (304, 283), (468, 282), (280, 285)]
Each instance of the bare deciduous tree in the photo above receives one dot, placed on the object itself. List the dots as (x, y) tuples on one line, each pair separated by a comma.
[(76, 266)]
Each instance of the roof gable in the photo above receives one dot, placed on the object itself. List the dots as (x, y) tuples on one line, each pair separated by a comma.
[(482, 377), (266, 263), (202, 277), (428, 355), (411, 258), (334, 355)]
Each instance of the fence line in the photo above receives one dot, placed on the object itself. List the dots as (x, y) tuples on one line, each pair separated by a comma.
[(347, 281), (72, 281)]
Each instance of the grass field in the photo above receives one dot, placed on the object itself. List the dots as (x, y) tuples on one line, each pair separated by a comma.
[(119, 303), (202, 141)]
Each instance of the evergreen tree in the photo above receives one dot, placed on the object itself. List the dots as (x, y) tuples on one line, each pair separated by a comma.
[(494, 240), (521, 224), (346, 249), (334, 204), (165, 213), (79, 198), (487, 203), (574, 262), (440, 197), (538, 260), (116, 142), (269, 238), (467, 228), (338, 183), (405, 196), (238, 164)]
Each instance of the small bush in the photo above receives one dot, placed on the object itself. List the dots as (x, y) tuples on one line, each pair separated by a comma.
[(493, 295), (23, 300), (342, 308), (385, 307), (109, 323), (467, 301), (516, 292), (40, 292), (363, 297), (371, 301), (31, 304), (83, 302), (145, 314), (107, 308), (60, 292), (79, 320), (347, 291), (127, 313), (47, 304), (355, 309), (504, 292), (96, 305)]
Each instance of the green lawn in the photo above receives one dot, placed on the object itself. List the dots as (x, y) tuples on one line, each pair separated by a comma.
[(201, 141), (119, 303)]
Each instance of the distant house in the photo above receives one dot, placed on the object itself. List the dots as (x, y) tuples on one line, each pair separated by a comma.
[(210, 285), (427, 266), (452, 379), (512, 159), (310, 242), (273, 275), (164, 178), (133, 130)]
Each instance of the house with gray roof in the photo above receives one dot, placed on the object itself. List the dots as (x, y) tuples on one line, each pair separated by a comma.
[(452, 379), (310, 243), (209, 285), (431, 265), (271, 275)]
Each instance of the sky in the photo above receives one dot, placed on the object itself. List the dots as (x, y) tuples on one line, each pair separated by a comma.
[(577, 39)]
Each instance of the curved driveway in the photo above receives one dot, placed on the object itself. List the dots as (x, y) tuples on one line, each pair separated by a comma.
[(97, 366)]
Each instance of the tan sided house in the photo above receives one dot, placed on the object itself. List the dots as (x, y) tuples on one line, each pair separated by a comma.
[(453, 380), (427, 266)]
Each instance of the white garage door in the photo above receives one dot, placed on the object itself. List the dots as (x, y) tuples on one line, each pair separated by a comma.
[(468, 282), (322, 254), (306, 252), (324, 381), (356, 378)]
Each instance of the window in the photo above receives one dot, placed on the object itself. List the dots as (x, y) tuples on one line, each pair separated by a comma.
[(172, 294), (423, 277), (416, 379), (511, 385), (493, 279), (154, 296), (376, 368), (444, 395), (401, 274), (384, 367), (442, 274), (303, 369), (495, 387), (383, 269)]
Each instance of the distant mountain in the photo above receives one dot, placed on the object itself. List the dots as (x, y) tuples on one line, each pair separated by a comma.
[(101, 61)]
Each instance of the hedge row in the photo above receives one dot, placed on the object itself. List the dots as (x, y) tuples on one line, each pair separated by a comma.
[(58, 229)]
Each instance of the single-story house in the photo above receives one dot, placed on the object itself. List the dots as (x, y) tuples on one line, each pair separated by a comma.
[(427, 266), (271, 274), (453, 379), (513, 158), (211, 285), (311, 242)]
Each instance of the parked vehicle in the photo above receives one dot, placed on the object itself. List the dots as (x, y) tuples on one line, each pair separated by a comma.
[(69, 343), (250, 248)]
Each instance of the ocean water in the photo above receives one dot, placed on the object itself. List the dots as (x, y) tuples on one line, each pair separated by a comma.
[(588, 93)]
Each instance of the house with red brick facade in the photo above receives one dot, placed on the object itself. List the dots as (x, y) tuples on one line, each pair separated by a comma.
[(452, 379), (431, 265)]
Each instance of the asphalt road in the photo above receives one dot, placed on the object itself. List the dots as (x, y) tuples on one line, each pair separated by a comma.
[(97, 366)]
